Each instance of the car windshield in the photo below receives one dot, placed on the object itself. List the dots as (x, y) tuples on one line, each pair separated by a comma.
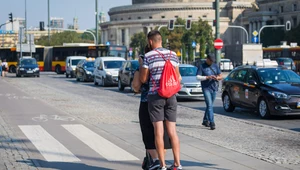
[(135, 65), (28, 62), (75, 62), (112, 64), (275, 76), (188, 71), (89, 64)]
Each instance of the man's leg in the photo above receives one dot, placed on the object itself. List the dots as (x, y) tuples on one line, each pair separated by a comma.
[(207, 98), (171, 129), (156, 105), (170, 116), (159, 141), (211, 111)]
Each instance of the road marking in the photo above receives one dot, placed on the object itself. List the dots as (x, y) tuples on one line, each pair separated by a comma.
[(99, 144), (48, 146)]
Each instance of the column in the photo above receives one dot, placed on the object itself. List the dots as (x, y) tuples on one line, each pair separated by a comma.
[(127, 37), (258, 25)]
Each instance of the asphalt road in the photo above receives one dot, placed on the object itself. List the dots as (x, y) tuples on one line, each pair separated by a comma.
[(103, 116)]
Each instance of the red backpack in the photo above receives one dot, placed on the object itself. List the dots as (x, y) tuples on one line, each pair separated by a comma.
[(169, 83)]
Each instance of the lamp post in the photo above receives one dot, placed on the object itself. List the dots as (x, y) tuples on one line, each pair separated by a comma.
[(217, 8), (49, 22), (96, 15), (26, 20)]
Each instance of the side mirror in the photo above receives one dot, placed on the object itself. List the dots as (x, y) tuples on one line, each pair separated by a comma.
[(252, 82)]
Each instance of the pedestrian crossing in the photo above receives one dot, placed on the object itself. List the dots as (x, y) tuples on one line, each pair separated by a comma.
[(54, 151)]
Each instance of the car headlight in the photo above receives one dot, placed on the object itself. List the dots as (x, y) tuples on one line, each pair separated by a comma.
[(22, 69), (278, 95), (36, 69), (182, 85), (108, 73), (88, 72)]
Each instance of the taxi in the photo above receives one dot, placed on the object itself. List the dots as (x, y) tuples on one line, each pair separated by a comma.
[(270, 90)]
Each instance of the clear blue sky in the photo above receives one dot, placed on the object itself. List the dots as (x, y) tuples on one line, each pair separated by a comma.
[(67, 9)]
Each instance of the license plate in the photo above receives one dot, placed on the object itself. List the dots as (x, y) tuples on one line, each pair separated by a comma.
[(196, 90), (29, 71), (298, 105)]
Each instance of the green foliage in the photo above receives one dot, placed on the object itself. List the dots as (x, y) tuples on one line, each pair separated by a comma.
[(66, 37), (138, 42)]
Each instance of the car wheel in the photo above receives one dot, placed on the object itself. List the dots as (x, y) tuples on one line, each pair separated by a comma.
[(12, 69), (77, 79), (227, 104), (17, 75), (67, 75), (38, 76), (58, 69), (263, 109), (83, 78), (120, 86), (103, 82), (95, 82)]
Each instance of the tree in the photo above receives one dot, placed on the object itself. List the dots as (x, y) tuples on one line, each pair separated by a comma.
[(60, 38), (138, 43)]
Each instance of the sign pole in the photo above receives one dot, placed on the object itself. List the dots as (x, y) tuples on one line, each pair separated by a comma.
[(218, 58), (30, 44), (21, 39)]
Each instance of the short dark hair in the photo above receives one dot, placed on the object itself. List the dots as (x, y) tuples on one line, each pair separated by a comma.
[(154, 35)]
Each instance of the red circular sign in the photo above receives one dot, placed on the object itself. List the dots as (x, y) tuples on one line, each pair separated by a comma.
[(218, 43)]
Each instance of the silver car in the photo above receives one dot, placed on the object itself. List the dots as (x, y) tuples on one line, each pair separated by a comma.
[(190, 86)]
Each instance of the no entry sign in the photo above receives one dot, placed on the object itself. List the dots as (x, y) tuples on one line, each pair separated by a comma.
[(218, 43)]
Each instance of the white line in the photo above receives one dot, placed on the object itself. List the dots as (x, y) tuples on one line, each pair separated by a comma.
[(99, 144), (49, 147)]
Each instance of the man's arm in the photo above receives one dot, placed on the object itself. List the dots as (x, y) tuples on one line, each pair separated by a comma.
[(178, 73), (144, 74)]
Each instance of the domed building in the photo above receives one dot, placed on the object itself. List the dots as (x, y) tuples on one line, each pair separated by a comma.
[(145, 15)]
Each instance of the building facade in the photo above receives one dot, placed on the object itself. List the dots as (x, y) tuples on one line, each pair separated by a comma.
[(56, 22), (146, 15), (271, 12), (18, 22)]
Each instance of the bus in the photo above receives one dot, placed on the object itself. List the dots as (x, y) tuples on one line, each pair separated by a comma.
[(275, 52), (11, 55), (53, 58), (60, 53)]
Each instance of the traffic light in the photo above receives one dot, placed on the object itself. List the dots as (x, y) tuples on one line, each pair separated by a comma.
[(214, 22), (10, 16), (171, 24), (188, 24)]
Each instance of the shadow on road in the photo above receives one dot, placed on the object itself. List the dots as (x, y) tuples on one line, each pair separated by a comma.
[(62, 165)]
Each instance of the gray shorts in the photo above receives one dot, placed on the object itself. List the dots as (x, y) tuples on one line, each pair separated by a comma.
[(161, 109)]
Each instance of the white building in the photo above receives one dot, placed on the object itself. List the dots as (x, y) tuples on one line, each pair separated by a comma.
[(15, 25)]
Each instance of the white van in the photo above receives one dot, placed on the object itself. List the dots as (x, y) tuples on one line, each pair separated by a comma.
[(107, 69), (71, 63)]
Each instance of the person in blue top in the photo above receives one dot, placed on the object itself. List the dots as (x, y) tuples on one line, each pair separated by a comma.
[(209, 74)]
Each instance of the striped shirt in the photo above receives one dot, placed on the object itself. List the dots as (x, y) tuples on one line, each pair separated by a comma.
[(155, 63)]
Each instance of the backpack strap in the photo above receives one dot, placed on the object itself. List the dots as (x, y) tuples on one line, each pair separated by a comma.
[(162, 56)]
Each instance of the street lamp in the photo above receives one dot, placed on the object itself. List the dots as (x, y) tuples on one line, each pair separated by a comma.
[(48, 21)]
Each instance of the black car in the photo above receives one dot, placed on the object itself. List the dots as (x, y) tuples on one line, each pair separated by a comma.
[(27, 66), (84, 70), (126, 73), (271, 91)]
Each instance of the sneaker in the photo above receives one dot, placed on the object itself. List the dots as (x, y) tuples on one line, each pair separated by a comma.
[(155, 165), (205, 123), (173, 167), (212, 126), (162, 168)]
